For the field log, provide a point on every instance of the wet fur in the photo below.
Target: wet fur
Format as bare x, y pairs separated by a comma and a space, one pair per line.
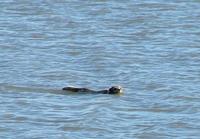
112, 90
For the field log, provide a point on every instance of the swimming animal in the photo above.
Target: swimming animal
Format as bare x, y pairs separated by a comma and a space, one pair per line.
111, 90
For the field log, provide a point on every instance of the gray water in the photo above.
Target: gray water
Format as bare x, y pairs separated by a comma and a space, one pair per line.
150, 47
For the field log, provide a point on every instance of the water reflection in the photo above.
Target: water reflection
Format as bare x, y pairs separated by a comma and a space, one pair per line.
148, 47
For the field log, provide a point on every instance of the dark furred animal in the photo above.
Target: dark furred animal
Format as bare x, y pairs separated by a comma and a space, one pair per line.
112, 90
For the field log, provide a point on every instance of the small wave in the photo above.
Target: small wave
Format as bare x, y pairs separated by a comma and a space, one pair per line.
19, 89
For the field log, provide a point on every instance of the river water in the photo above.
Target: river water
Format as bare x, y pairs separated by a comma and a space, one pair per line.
150, 47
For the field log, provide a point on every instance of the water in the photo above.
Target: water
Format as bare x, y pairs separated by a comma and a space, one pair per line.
149, 47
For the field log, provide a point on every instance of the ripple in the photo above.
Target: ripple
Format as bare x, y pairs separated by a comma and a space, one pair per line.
148, 47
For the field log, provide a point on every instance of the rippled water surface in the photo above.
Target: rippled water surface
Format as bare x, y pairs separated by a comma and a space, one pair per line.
150, 47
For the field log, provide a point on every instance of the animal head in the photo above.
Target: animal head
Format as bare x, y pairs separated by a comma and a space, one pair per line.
115, 90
